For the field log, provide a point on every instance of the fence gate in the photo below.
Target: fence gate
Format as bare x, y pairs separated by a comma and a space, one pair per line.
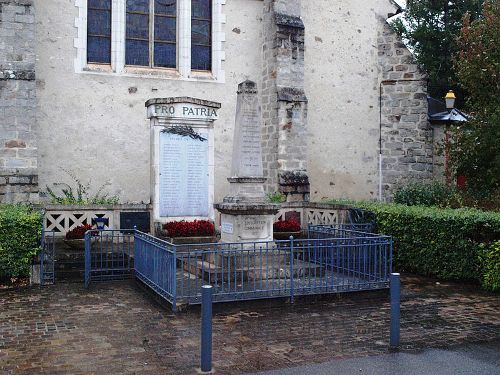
109, 255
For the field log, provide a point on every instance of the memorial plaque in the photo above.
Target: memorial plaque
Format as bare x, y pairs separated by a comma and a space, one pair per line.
254, 226
247, 151
183, 174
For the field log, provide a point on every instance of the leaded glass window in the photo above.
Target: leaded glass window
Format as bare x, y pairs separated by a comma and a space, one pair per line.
144, 19
99, 31
165, 30
137, 33
201, 34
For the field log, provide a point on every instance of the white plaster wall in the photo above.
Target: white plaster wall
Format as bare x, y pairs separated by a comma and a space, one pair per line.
342, 85
91, 125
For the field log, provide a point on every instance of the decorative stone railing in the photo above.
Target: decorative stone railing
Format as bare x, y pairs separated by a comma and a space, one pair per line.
62, 218
314, 213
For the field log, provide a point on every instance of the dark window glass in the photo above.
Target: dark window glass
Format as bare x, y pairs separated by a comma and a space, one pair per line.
99, 31
165, 33
166, 7
201, 34
137, 52
165, 55
138, 6
137, 33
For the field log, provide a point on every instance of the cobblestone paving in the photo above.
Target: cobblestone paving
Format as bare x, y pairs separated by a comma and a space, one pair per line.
115, 328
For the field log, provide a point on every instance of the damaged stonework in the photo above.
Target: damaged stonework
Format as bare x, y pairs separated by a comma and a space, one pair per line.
294, 185
283, 99
406, 135
18, 147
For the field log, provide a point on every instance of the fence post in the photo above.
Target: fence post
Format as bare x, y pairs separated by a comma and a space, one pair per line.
395, 310
291, 270
87, 259
206, 328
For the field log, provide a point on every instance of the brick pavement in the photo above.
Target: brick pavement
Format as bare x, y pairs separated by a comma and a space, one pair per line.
114, 328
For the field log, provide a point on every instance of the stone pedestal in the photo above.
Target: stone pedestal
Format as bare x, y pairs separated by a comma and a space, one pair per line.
247, 221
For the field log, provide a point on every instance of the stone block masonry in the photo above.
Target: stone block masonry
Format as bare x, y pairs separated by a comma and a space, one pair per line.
18, 147
407, 137
284, 101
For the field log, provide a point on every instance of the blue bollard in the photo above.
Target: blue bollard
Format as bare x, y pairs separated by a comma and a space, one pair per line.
395, 310
206, 328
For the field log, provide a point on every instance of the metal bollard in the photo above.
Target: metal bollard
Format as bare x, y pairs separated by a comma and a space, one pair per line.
395, 310
206, 328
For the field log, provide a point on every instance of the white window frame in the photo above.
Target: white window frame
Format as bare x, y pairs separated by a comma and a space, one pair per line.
183, 70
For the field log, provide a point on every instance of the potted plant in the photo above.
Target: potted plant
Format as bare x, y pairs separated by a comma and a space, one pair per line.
75, 238
283, 229
189, 232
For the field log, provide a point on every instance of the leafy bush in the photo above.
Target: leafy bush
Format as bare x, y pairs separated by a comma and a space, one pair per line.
276, 197
442, 195
435, 194
20, 233
80, 194
290, 225
196, 228
490, 260
445, 243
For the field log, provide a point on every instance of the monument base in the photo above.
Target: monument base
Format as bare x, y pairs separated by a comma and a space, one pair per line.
247, 221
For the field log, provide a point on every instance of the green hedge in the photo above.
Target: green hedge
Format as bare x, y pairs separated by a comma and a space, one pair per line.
490, 261
446, 243
20, 232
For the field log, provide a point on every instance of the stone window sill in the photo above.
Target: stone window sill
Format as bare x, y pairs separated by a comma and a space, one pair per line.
144, 72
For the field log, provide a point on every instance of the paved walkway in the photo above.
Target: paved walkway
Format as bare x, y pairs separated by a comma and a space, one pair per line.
479, 359
114, 328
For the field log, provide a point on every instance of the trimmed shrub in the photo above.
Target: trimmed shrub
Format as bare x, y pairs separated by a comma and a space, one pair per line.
435, 194
490, 260
20, 233
446, 243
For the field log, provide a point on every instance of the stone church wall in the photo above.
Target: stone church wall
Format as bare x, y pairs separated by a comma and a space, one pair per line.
407, 137
18, 144
319, 84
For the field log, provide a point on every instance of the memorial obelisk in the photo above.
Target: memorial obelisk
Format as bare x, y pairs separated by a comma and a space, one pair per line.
245, 214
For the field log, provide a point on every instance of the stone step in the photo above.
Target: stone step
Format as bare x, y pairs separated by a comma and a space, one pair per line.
210, 271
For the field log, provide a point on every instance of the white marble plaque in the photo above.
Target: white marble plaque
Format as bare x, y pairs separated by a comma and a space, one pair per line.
227, 228
183, 175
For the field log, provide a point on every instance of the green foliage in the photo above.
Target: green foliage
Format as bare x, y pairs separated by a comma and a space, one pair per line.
80, 195
20, 232
430, 27
276, 197
434, 194
490, 260
475, 150
444, 196
445, 243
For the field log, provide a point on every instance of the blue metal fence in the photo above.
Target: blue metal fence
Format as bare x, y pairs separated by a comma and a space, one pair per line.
333, 259
109, 254
47, 258
155, 265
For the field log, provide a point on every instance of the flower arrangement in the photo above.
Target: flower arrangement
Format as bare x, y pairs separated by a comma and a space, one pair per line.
78, 233
290, 225
196, 228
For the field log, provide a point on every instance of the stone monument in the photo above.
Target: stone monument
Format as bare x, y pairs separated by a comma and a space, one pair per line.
245, 214
182, 155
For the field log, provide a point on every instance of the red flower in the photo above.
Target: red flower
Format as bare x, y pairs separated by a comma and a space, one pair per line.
290, 225
197, 228
78, 232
